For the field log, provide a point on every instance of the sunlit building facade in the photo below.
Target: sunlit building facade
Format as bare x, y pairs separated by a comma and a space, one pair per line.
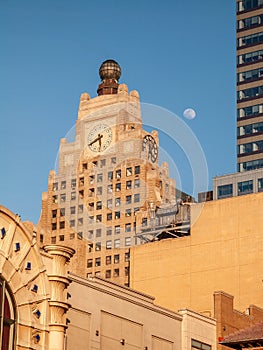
108, 184
249, 84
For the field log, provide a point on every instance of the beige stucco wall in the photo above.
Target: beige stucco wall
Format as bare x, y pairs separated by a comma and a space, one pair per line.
106, 313
197, 327
108, 316
223, 252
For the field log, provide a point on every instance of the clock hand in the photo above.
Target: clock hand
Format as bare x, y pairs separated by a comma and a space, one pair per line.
98, 138
100, 141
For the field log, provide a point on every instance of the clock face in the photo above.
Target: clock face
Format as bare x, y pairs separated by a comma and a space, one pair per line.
99, 138
149, 145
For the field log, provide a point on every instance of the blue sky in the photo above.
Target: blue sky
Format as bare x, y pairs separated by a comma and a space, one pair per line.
177, 54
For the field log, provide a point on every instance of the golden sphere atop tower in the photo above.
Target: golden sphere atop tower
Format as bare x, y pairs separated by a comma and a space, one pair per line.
110, 69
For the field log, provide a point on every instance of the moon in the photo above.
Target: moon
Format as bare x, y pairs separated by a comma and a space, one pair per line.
189, 113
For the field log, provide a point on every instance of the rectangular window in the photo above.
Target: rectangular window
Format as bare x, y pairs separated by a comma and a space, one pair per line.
251, 39
199, 345
117, 229
118, 187
99, 205
225, 191
61, 238
108, 274
128, 212
126, 271
118, 174
249, 57
109, 188
245, 187
54, 214
72, 223
250, 93
80, 221
80, 209
129, 171
109, 231
62, 198
73, 196
251, 165
127, 241
54, 226
71, 235
80, 235
108, 259
102, 163
128, 185
144, 222
117, 214
249, 111
117, 202
98, 246
62, 224
136, 183
90, 234
128, 227
53, 240
54, 199
117, 243
55, 186
260, 185
97, 262
62, 211
128, 199
99, 190
73, 184
98, 232
81, 181
113, 160
108, 244
99, 178
72, 210
137, 169
127, 257
89, 262
116, 273
98, 218
63, 185
116, 258
109, 203
109, 216
136, 198
110, 175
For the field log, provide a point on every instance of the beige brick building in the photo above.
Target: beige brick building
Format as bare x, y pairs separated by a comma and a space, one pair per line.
108, 184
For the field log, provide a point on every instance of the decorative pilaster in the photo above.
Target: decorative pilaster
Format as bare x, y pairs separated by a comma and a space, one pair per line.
58, 305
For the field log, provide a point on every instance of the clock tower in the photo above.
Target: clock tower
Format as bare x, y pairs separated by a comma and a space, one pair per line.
108, 182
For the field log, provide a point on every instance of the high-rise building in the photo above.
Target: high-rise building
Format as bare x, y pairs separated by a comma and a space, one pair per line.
108, 185
249, 84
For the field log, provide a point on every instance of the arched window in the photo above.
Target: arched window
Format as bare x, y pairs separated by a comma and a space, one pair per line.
7, 318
